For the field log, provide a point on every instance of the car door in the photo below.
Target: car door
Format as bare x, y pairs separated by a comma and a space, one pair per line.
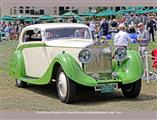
35, 57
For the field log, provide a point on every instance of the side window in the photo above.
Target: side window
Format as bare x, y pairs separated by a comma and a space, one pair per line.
30, 36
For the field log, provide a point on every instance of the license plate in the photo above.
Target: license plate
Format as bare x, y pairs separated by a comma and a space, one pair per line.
107, 88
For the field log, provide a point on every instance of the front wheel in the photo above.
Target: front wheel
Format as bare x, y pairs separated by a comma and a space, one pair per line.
65, 87
20, 83
132, 90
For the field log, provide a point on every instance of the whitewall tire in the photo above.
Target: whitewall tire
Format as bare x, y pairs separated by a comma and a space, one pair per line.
65, 87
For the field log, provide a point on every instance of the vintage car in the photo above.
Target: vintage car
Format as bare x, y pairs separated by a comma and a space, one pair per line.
66, 54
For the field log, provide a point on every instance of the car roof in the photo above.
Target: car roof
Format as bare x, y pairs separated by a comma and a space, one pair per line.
55, 25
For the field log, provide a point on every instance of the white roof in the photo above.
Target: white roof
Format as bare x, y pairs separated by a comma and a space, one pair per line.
54, 25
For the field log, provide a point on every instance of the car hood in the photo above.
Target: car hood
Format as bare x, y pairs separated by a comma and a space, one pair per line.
80, 43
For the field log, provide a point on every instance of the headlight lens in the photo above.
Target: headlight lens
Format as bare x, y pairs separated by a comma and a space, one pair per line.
85, 56
120, 53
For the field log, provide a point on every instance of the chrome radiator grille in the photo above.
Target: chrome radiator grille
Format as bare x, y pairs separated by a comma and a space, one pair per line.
101, 62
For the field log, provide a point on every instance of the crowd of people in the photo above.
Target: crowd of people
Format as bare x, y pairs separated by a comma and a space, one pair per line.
104, 27
11, 30
98, 26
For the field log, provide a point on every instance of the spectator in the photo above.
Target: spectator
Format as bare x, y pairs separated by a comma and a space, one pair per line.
114, 24
20, 27
73, 20
143, 39
151, 27
132, 33
92, 27
104, 27
122, 38
131, 29
3, 25
7, 30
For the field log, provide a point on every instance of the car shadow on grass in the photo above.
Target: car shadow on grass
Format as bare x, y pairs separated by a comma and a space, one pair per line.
48, 90
96, 98
85, 95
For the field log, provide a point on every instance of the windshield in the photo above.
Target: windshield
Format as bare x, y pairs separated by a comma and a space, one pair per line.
70, 33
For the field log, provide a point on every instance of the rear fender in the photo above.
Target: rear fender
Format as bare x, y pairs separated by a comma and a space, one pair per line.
17, 67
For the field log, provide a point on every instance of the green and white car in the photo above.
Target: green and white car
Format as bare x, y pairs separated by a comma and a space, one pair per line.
66, 54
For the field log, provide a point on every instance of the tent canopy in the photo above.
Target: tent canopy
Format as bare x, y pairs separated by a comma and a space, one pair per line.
106, 13
69, 14
7, 18
46, 18
28, 20
87, 13
20, 17
122, 12
153, 10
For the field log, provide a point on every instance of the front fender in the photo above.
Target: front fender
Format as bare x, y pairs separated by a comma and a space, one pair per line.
73, 70
132, 68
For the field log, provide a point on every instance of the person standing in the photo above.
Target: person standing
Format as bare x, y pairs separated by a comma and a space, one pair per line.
143, 39
92, 27
7, 31
114, 24
122, 38
104, 27
151, 27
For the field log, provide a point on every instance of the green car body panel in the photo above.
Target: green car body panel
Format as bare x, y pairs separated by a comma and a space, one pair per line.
129, 71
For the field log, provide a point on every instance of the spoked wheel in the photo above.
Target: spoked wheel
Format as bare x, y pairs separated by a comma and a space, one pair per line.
65, 87
20, 83
132, 90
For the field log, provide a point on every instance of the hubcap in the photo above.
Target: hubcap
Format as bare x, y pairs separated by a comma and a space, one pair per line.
18, 81
62, 84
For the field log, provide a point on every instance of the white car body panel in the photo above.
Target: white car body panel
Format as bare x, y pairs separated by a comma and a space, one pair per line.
36, 61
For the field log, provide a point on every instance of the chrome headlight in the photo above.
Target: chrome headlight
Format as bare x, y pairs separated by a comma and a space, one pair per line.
85, 56
120, 53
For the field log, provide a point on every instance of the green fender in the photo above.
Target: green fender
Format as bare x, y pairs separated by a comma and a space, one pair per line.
74, 71
17, 67
132, 68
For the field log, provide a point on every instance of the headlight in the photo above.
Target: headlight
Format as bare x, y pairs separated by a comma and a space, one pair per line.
120, 53
85, 56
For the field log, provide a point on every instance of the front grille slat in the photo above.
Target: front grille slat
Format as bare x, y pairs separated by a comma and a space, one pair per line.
101, 63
